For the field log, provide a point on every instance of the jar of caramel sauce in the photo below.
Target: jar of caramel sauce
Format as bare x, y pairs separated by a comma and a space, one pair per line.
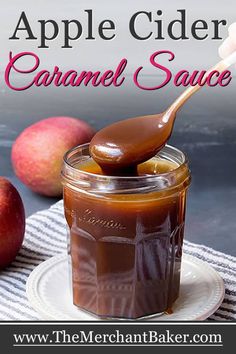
125, 233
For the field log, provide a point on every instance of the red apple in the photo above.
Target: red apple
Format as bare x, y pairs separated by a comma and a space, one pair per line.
38, 151
12, 222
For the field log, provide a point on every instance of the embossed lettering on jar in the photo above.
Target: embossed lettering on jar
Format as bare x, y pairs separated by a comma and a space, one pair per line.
125, 234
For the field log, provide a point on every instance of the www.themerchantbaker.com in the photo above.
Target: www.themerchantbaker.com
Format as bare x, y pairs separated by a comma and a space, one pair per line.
115, 337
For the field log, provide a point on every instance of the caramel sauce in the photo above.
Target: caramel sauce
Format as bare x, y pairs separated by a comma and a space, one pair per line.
151, 167
120, 147
169, 311
126, 248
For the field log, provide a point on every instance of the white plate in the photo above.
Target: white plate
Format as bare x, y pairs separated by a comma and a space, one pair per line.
48, 290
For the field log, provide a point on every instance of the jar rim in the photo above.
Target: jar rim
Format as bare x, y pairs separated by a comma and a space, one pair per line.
86, 173
127, 184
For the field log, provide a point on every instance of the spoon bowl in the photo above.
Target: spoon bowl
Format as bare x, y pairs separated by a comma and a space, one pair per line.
120, 147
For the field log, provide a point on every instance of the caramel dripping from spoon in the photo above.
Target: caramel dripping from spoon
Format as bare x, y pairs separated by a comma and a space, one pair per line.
121, 146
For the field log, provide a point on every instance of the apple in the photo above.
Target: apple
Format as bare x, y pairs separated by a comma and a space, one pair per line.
12, 222
38, 152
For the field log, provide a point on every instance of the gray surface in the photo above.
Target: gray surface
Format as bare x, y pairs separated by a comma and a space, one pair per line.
205, 130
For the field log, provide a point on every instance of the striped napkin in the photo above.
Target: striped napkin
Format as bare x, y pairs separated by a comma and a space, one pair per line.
46, 236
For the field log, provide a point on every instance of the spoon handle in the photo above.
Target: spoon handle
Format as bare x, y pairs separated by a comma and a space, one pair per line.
221, 66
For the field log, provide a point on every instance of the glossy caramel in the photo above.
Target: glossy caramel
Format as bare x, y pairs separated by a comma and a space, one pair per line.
126, 248
120, 147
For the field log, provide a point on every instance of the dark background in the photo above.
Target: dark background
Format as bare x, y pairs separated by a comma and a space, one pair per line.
205, 130
220, 345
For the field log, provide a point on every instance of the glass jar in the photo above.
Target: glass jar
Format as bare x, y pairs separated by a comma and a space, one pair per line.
125, 236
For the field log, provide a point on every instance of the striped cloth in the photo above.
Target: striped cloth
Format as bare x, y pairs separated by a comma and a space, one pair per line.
45, 237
